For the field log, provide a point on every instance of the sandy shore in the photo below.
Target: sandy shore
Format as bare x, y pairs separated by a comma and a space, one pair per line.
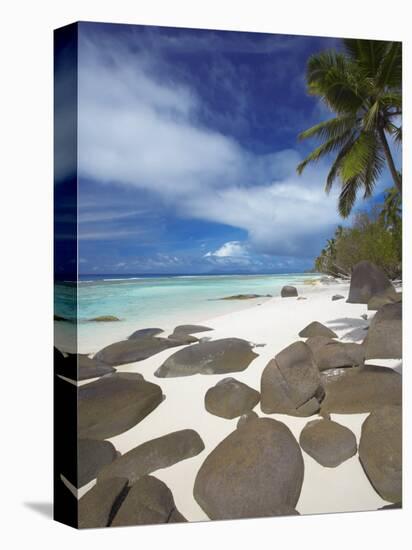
274, 323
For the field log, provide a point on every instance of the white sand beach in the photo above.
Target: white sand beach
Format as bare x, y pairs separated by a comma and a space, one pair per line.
272, 324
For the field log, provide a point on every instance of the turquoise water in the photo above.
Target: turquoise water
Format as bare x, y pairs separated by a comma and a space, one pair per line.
156, 301
148, 299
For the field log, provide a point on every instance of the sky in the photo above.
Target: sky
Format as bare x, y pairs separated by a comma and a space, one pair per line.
187, 152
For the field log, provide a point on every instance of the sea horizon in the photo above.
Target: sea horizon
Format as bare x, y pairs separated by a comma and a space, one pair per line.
85, 277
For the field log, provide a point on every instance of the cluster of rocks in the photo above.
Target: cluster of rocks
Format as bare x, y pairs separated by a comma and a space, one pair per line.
113, 503
258, 469
125, 493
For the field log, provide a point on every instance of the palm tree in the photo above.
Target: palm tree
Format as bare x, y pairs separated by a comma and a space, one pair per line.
363, 86
391, 212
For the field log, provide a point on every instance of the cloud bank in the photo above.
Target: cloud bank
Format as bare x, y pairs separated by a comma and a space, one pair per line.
140, 129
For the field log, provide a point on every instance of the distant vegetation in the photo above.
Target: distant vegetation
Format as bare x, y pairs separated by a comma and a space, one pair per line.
362, 86
374, 236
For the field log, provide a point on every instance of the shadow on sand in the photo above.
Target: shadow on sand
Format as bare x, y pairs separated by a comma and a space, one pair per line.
356, 328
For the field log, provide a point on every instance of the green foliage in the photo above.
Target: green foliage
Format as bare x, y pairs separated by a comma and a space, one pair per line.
375, 236
363, 87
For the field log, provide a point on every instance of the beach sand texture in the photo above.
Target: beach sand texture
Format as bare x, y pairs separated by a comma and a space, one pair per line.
272, 325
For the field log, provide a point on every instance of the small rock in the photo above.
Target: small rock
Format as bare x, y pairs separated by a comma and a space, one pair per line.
337, 297
155, 454
317, 329
105, 318
328, 442
380, 452
288, 291
246, 296
149, 501
190, 329
216, 357
230, 398
364, 316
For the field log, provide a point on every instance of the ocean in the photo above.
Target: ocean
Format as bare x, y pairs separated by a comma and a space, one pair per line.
161, 301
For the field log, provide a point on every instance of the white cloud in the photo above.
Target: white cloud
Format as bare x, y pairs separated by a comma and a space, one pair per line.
137, 131
231, 249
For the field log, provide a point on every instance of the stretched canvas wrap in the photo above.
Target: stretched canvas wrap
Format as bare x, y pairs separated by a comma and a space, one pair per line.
228, 276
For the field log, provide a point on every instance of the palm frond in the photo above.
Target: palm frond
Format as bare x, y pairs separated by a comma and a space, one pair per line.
390, 70
331, 77
371, 116
324, 149
366, 53
329, 129
357, 158
337, 164
347, 196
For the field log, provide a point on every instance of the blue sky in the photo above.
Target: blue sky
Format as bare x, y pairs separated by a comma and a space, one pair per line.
188, 151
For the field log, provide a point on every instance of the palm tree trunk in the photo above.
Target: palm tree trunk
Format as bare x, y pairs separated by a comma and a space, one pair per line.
389, 159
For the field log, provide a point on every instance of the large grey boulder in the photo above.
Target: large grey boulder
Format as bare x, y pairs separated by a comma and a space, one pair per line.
256, 471
360, 389
135, 349
367, 280
92, 455
230, 398
98, 506
152, 455
291, 383
317, 329
328, 442
217, 357
330, 354
114, 404
384, 338
288, 291
148, 502
380, 452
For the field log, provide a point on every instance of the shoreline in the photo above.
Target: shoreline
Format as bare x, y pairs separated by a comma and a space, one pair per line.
276, 324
